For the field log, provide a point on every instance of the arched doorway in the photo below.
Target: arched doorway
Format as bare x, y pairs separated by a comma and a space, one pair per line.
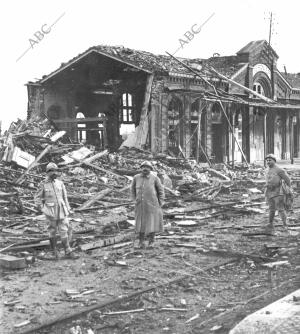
194, 131
81, 128
237, 126
256, 131
217, 131
175, 125
278, 137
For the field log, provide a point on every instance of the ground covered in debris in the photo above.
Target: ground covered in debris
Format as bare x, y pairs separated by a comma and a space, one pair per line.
185, 296
214, 263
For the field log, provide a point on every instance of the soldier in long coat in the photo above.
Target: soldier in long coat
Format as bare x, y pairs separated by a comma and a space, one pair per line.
148, 194
51, 198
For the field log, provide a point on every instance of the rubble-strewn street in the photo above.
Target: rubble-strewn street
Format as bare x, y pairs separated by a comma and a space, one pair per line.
150, 167
214, 263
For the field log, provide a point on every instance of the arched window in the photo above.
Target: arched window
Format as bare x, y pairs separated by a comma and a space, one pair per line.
262, 85
81, 128
216, 114
80, 115
126, 112
257, 87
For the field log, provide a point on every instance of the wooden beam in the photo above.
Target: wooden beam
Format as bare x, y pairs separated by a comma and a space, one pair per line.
58, 135
21, 179
262, 97
96, 156
87, 163
78, 120
142, 129
100, 195
105, 242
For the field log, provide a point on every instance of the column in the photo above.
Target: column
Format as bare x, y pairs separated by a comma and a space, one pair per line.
164, 123
187, 126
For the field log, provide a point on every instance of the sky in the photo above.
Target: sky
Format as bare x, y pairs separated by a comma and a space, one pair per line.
31, 49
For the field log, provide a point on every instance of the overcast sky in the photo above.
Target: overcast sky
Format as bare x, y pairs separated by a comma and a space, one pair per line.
155, 26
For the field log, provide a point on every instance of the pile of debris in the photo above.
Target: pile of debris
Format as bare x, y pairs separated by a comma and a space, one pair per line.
31, 145
98, 184
28, 146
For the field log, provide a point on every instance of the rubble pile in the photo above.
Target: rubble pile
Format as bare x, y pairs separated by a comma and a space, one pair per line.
98, 183
28, 146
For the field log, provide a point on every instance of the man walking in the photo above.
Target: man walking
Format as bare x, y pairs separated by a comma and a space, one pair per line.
52, 200
148, 193
274, 195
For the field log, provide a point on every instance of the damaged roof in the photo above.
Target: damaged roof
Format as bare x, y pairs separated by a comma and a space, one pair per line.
292, 78
143, 60
151, 63
227, 65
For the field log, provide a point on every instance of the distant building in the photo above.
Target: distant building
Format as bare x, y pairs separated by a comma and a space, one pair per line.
103, 94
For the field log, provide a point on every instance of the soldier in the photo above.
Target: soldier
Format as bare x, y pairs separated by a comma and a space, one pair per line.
51, 199
148, 193
274, 194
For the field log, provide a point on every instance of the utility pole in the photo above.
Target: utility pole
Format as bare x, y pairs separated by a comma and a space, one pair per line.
270, 55
270, 29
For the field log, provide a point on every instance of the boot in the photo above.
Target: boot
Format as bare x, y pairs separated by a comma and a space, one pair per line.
151, 239
70, 235
68, 250
142, 241
270, 229
53, 242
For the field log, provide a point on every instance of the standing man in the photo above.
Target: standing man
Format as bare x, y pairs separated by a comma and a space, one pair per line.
148, 193
52, 200
273, 192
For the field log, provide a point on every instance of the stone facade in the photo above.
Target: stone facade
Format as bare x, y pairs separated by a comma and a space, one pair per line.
185, 117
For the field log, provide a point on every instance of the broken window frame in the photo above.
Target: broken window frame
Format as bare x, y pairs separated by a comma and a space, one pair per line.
175, 116
81, 128
127, 109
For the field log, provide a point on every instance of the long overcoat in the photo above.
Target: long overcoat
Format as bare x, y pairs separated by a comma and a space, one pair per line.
53, 200
148, 193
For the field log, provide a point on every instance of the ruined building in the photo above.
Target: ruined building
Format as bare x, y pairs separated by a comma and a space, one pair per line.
105, 93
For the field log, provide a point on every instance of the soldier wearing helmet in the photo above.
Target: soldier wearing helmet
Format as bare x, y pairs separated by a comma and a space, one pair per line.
51, 198
274, 195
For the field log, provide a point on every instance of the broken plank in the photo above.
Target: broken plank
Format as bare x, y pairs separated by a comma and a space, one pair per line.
43, 153
126, 312
98, 196
276, 264
41, 244
21, 179
7, 247
96, 156
89, 164
104, 242
3, 194
12, 262
224, 252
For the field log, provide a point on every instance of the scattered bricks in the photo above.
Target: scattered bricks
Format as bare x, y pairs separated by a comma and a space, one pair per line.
12, 262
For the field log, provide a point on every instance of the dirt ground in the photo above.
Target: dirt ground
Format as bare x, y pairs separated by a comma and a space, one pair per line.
185, 298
